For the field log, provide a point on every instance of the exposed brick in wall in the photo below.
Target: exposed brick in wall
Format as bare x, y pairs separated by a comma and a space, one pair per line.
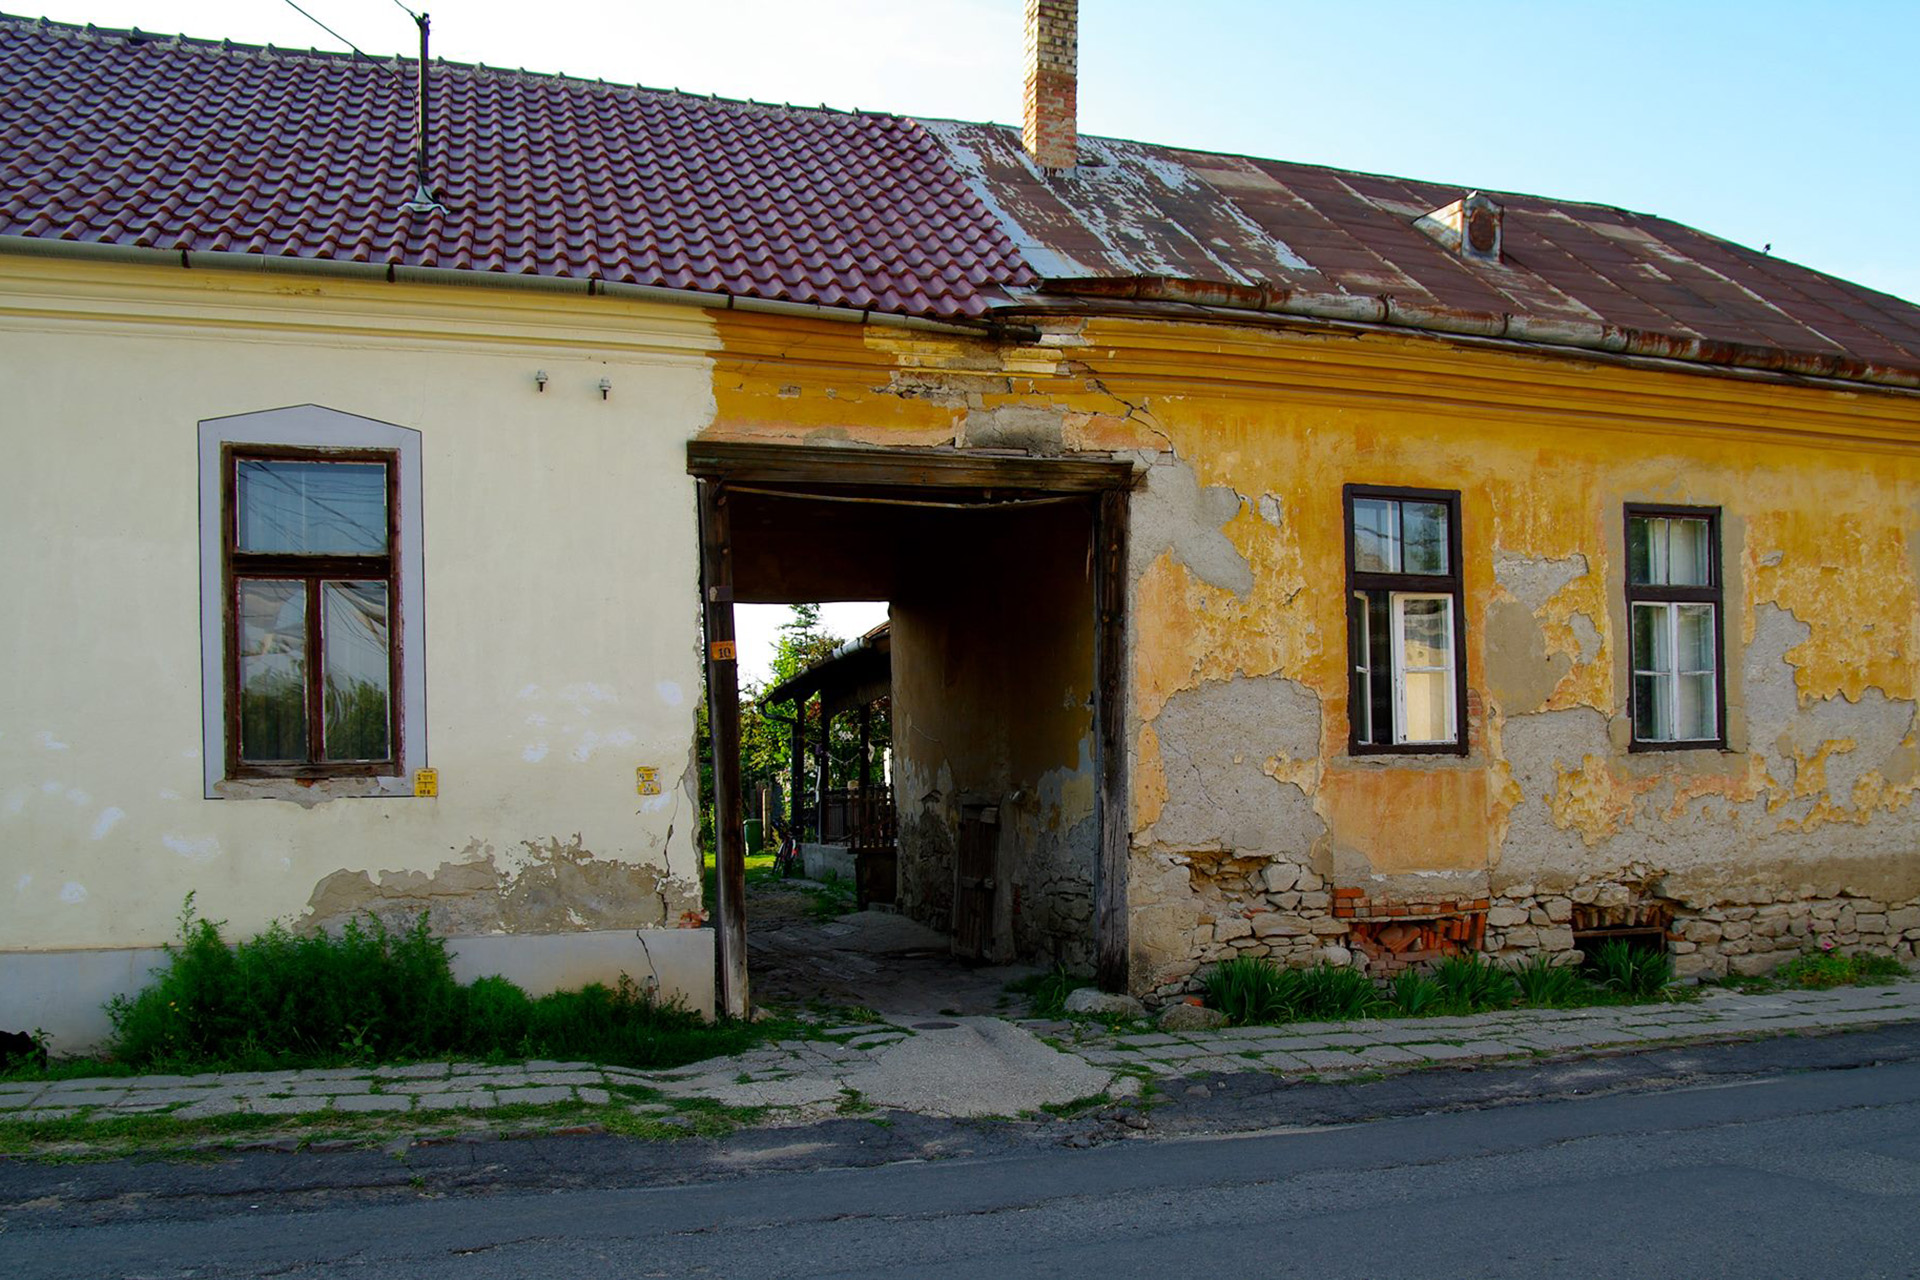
1404, 935
1051, 131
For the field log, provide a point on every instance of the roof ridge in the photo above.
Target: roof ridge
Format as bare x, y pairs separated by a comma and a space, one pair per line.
1340, 170
136, 36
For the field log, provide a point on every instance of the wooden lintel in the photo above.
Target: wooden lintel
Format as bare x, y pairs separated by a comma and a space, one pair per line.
742, 462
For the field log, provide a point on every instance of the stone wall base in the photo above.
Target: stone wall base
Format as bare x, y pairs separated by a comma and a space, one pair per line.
1282, 912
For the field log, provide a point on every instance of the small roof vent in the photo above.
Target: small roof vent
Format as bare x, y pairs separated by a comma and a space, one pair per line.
1470, 226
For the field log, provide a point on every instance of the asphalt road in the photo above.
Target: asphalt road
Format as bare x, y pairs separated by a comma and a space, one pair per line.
1701, 1173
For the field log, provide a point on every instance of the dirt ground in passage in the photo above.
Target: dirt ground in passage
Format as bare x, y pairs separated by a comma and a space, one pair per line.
874, 959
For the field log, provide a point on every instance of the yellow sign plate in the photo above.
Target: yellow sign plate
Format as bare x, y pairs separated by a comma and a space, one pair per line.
426, 782
723, 651
646, 780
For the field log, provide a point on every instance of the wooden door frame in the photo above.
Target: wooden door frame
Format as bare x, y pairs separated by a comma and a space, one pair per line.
718, 465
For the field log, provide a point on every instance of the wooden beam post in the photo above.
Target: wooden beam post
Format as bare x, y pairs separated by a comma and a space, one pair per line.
866, 759
797, 764
1110, 739
723, 723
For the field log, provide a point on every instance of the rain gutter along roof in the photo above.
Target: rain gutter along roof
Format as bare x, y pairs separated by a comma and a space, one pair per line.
1387, 311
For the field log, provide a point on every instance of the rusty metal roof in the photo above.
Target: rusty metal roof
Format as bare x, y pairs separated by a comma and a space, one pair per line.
1153, 223
178, 144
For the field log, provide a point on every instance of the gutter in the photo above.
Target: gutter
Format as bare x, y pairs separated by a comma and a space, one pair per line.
1385, 310
397, 273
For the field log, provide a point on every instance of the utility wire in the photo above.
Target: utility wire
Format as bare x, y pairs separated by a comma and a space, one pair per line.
329, 30
410, 13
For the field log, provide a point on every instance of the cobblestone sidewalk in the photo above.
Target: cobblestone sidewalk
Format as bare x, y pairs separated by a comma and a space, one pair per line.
800, 1078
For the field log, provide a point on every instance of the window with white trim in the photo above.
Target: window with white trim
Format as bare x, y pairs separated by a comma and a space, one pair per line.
1405, 630
311, 604
1673, 608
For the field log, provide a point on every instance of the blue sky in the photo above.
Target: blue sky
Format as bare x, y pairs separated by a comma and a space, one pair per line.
1796, 125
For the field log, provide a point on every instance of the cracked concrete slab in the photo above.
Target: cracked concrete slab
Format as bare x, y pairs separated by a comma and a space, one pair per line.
978, 1067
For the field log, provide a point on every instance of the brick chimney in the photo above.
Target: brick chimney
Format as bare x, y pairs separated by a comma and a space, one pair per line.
1052, 132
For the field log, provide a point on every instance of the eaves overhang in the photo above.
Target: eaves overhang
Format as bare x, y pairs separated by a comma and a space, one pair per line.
1161, 296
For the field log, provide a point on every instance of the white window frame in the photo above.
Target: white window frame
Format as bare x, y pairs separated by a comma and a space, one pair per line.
1376, 714
310, 427
1398, 613
1669, 598
1669, 611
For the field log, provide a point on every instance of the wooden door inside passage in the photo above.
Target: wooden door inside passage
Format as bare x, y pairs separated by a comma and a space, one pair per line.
973, 880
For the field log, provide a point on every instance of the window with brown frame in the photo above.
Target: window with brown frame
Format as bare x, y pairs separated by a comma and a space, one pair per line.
1673, 606
1405, 629
312, 584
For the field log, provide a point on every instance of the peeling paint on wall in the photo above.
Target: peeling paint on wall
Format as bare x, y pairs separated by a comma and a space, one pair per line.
543, 886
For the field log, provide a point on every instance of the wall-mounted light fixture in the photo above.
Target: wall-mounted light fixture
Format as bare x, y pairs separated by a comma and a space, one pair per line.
606, 385
540, 379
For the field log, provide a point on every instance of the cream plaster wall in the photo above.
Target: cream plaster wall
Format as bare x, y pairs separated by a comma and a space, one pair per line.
561, 601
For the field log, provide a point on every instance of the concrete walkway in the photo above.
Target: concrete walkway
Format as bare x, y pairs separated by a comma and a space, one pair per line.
969, 1066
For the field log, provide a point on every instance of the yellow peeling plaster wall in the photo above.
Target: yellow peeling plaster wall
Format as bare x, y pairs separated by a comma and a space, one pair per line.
561, 607
1247, 812
1803, 830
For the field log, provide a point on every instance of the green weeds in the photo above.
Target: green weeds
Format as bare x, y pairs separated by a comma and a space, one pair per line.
1047, 992
1413, 994
369, 994
1829, 969
1546, 985
1469, 982
1637, 973
1253, 991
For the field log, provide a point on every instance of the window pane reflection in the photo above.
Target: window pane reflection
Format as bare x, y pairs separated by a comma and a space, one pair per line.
1376, 536
1651, 710
1424, 531
353, 619
273, 671
312, 508
1650, 638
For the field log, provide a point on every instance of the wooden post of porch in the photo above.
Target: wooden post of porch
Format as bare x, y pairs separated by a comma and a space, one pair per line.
797, 763
1110, 740
723, 722
866, 768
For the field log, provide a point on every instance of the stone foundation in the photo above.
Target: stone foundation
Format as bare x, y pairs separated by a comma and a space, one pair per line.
1248, 906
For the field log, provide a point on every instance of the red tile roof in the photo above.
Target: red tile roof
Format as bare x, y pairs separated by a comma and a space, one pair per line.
171, 143
179, 144
1150, 222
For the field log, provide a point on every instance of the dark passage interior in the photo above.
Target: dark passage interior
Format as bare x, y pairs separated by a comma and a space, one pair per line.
996, 783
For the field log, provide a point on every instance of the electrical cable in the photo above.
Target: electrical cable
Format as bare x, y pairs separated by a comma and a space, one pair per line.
330, 31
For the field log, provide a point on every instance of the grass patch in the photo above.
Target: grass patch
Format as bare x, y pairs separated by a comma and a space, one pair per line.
159, 1135
828, 899
1253, 991
1825, 970
1046, 993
